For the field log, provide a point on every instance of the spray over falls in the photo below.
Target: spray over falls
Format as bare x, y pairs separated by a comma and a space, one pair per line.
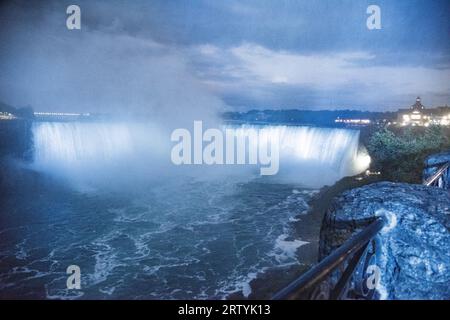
310, 155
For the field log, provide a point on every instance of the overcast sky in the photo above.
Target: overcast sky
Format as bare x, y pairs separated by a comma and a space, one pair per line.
191, 56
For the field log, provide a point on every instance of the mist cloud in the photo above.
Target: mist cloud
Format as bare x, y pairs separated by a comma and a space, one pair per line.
103, 70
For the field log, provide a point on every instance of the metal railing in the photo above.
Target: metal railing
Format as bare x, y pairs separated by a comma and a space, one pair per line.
342, 274
440, 178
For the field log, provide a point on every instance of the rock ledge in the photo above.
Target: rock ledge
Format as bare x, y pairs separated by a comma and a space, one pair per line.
415, 246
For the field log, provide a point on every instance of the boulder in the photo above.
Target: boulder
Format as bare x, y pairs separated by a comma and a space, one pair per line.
414, 257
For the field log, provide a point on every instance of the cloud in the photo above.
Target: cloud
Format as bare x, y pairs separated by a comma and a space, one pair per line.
104, 70
165, 59
254, 68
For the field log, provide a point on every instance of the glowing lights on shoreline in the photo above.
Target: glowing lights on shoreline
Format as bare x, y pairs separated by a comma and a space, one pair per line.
61, 114
7, 116
353, 121
425, 121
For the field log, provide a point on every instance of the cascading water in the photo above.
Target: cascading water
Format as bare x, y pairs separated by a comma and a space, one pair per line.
71, 144
95, 153
309, 155
176, 237
314, 156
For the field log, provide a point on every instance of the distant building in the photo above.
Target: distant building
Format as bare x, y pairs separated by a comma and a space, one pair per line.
418, 115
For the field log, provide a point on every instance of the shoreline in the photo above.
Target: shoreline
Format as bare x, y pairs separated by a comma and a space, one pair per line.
306, 228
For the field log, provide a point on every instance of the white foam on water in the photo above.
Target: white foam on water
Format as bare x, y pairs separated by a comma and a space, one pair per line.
286, 249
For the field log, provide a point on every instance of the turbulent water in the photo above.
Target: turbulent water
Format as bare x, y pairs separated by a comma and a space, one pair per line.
106, 199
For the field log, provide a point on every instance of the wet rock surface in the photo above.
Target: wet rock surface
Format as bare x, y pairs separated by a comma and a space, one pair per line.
415, 244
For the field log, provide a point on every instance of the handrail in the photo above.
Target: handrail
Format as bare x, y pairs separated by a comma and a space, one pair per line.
436, 175
356, 244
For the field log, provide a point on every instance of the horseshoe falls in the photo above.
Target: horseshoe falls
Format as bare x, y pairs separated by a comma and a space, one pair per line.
110, 201
308, 155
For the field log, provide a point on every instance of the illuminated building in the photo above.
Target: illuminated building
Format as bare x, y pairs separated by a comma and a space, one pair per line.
416, 115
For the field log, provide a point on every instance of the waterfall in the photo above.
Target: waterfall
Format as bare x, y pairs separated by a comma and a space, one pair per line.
313, 155
97, 153
68, 143
310, 155
325, 146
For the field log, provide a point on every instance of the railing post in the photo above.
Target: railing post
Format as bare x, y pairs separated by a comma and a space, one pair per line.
353, 249
440, 177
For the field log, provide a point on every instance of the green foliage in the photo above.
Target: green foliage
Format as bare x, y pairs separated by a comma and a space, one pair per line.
399, 153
